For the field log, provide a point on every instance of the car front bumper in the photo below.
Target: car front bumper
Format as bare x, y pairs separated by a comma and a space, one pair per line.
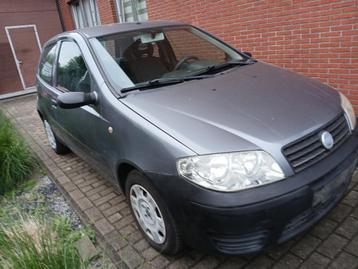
251, 220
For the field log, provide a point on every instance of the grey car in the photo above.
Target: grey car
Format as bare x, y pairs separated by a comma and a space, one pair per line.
214, 150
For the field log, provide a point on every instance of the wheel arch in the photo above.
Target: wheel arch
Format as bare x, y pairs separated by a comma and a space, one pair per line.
123, 169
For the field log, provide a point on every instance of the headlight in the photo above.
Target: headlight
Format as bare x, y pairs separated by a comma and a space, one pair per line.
348, 109
231, 171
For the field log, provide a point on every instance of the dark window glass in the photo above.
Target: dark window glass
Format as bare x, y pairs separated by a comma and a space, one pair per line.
72, 73
47, 63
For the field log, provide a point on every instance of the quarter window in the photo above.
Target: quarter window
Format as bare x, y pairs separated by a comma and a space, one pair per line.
72, 73
47, 63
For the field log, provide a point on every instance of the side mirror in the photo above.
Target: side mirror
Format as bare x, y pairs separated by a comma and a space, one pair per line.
76, 99
247, 53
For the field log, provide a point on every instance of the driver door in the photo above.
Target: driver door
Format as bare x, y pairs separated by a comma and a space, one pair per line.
82, 129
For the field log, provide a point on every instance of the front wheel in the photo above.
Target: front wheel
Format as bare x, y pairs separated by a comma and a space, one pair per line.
55, 144
152, 215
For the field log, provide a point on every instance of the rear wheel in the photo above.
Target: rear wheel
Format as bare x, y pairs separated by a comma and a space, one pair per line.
55, 144
152, 215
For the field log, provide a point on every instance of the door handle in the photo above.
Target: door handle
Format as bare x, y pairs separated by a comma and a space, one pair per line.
54, 104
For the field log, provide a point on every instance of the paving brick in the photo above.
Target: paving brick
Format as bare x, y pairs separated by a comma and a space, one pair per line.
316, 261
118, 199
232, 263
305, 246
93, 214
160, 262
207, 262
111, 210
134, 237
76, 194
69, 186
324, 228
104, 199
186, 261
150, 253
104, 206
116, 240
340, 212
128, 230
114, 218
352, 247
124, 222
146, 265
104, 226
354, 213
97, 189
278, 251
344, 261
332, 245
348, 228
351, 199
141, 245
130, 257
125, 211
84, 203
288, 261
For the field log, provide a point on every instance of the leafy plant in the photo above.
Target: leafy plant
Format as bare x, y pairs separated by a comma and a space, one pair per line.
39, 244
16, 160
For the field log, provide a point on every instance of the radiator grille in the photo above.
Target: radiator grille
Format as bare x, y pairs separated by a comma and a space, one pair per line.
308, 150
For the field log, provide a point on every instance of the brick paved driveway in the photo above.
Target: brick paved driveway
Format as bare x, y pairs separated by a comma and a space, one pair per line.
332, 243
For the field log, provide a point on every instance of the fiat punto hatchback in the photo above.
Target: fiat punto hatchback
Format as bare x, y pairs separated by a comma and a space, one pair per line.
213, 149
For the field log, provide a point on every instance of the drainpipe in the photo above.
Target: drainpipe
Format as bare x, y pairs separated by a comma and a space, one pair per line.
60, 15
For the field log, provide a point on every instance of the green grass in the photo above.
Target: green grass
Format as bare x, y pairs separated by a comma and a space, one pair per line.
34, 243
16, 160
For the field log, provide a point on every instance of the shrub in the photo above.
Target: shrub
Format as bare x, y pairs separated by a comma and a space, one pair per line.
38, 244
16, 161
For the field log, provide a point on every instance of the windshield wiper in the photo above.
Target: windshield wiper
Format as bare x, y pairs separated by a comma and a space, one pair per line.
227, 64
161, 82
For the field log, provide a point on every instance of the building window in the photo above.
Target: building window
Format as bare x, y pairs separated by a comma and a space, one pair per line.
85, 13
131, 10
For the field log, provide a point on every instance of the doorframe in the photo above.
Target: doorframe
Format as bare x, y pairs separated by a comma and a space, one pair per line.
17, 62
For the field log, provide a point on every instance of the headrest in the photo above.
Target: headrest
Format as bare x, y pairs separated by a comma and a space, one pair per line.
142, 50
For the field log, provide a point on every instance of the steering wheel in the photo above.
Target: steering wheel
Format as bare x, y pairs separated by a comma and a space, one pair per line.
184, 60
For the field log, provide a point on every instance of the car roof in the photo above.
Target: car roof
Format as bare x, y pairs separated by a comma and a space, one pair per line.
116, 28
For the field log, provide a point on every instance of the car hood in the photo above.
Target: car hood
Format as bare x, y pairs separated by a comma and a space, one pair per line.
258, 106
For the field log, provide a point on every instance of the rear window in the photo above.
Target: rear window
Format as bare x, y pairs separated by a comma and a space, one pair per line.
47, 63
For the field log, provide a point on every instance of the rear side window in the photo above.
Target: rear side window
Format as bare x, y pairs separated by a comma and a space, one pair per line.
47, 63
72, 73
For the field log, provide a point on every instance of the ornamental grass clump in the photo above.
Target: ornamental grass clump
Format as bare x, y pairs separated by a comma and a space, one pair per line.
16, 160
37, 244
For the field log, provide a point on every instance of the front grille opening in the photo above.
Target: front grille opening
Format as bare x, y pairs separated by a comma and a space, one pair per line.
308, 150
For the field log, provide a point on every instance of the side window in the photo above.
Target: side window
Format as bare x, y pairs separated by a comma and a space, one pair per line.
47, 63
72, 73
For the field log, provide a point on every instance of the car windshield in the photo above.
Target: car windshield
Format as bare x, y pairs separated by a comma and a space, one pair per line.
134, 58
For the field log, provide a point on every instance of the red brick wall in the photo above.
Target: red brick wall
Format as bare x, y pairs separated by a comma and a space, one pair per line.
107, 11
318, 38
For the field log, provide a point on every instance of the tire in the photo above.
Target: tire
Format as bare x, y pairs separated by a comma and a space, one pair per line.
149, 220
53, 141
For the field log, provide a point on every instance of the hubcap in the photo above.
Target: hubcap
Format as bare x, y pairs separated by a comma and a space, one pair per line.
148, 214
50, 136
